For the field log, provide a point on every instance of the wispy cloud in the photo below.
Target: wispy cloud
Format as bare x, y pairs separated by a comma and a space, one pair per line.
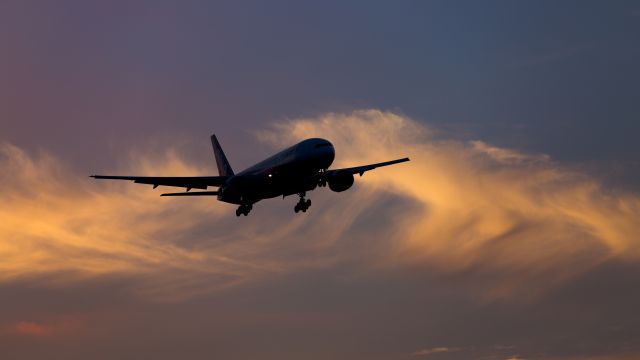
435, 350
519, 220
523, 220
60, 325
515, 357
60, 227
507, 156
555, 55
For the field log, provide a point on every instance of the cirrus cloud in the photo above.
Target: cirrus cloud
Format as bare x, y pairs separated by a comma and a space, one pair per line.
519, 221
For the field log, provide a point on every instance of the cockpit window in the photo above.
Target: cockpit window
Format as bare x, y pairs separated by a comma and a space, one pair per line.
322, 145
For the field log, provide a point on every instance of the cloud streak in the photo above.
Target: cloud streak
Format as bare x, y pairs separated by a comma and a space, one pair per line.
435, 350
517, 217
59, 227
509, 218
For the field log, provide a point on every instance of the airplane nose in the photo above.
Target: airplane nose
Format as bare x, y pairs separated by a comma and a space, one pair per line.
318, 153
327, 157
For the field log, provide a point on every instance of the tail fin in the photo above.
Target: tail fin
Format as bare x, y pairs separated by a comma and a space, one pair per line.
224, 169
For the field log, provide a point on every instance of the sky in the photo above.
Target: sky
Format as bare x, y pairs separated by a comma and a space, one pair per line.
513, 233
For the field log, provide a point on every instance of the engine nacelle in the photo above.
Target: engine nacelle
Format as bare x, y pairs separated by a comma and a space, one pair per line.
340, 181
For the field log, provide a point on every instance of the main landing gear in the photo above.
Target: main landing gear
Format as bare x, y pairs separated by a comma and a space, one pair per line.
303, 204
244, 209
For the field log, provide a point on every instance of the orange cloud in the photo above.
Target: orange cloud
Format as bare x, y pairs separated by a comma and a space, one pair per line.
435, 350
520, 220
612, 356
481, 207
65, 227
59, 325
30, 328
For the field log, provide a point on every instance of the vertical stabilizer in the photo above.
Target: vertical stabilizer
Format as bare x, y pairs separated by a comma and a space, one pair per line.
224, 169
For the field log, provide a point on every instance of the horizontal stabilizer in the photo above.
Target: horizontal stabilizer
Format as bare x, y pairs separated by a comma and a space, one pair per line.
195, 193
190, 182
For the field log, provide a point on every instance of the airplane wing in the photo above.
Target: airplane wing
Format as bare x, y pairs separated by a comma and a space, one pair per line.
193, 193
362, 169
189, 182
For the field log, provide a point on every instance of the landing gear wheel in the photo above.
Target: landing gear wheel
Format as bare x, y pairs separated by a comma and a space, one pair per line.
244, 209
302, 205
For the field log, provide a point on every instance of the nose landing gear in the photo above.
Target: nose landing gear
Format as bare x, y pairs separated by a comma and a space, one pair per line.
302, 205
244, 209
322, 180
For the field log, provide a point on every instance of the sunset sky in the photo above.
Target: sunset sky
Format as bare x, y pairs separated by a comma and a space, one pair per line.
513, 233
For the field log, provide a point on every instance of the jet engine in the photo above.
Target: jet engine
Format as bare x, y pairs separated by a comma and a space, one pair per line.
340, 181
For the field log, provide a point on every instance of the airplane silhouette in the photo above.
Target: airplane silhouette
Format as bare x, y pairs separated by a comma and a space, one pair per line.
294, 170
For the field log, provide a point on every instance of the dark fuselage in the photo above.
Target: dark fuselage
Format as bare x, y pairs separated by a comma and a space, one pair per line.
291, 171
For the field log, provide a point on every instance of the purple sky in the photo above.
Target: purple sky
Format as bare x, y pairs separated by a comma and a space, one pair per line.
513, 233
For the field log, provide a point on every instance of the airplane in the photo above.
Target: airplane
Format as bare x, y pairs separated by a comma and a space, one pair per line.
294, 170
